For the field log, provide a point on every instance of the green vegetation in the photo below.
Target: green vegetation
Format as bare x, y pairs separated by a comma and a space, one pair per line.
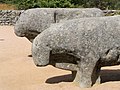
102, 4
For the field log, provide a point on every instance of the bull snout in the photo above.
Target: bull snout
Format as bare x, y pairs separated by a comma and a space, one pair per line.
40, 65
18, 33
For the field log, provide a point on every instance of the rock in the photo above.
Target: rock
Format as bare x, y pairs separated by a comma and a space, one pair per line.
9, 15
93, 41
74, 13
34, 21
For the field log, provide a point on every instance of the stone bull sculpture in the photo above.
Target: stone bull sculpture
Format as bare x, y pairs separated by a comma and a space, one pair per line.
95, 42
33, 21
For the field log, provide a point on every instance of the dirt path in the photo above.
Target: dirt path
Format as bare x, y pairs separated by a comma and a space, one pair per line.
18, 72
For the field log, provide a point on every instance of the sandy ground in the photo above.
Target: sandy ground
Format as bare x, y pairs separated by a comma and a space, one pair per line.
18, 72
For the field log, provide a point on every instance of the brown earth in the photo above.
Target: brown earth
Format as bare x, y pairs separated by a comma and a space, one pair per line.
7, 7
18, 72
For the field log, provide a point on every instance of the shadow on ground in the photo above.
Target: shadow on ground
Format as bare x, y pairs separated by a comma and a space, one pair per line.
110, 75
106, 76
58, 79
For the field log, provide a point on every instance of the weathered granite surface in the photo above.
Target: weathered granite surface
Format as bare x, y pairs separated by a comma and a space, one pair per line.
93, 41
34, 21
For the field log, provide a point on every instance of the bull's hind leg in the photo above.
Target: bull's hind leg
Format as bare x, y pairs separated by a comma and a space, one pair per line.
88, 73
40, 55
74, 74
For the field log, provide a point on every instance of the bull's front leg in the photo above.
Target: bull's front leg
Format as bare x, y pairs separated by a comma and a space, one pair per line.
87, 73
